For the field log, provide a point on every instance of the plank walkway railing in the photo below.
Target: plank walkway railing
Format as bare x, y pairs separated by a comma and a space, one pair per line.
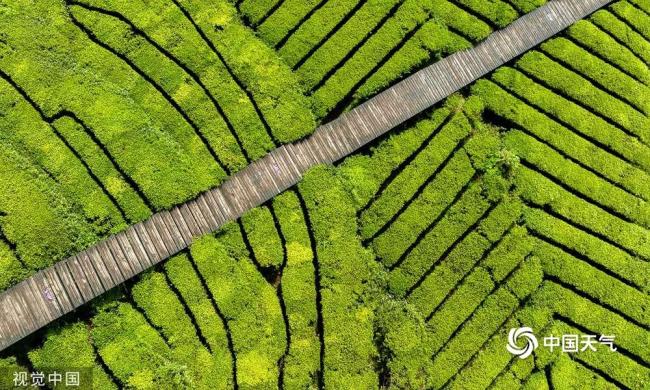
55, 291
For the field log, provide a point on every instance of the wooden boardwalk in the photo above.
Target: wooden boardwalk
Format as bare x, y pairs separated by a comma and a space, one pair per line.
55, 291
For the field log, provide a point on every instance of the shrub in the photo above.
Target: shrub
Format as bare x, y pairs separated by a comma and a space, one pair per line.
24, 130
593, 68
571, 175
130, 200
448, 271
299, 292
594, 317
600, 42
338, 48
597, 284
188, 284
254, 10
249, 304
459, 305
69, 347
476, 331
539, 65
320, 26
350, 280
460, 217
263, 237
127, 115
404, 186
526, 6
498, 12
512, 249
432, 42
136, 354
404, 339
589, 142
426, 207
276, 90
180, 85
616, 260
365, 174
540, 191
55, 228
284, 19
167, 313
633, 16
633, 40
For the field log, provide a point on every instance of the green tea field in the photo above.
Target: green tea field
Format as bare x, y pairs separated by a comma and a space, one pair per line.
522, 200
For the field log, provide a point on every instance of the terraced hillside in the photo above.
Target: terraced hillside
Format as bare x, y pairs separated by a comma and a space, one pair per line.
344, 51
522, 201
142, 105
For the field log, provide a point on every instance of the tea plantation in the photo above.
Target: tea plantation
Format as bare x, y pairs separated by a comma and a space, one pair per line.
520, 201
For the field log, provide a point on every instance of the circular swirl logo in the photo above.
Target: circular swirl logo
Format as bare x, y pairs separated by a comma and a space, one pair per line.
531, 342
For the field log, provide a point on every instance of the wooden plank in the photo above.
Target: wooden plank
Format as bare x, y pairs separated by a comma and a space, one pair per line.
108, 281
43, 299
143, 236
156, 240
79, 275
15, 315
214, 218
117, 274
92, 271
201, 220
183, 229
35, 306
128, 269
174, 230
224, 207
186, 215
122, 241
9, 330
166, 235
64, 286
138, 247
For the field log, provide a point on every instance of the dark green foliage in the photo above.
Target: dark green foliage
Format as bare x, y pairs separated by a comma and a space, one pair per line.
248, 303
402, 267
498, 12
70, 347
579, 88
298, 281
617, 28
349, 283
587, 33
263, 237
593, 68
182, 275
